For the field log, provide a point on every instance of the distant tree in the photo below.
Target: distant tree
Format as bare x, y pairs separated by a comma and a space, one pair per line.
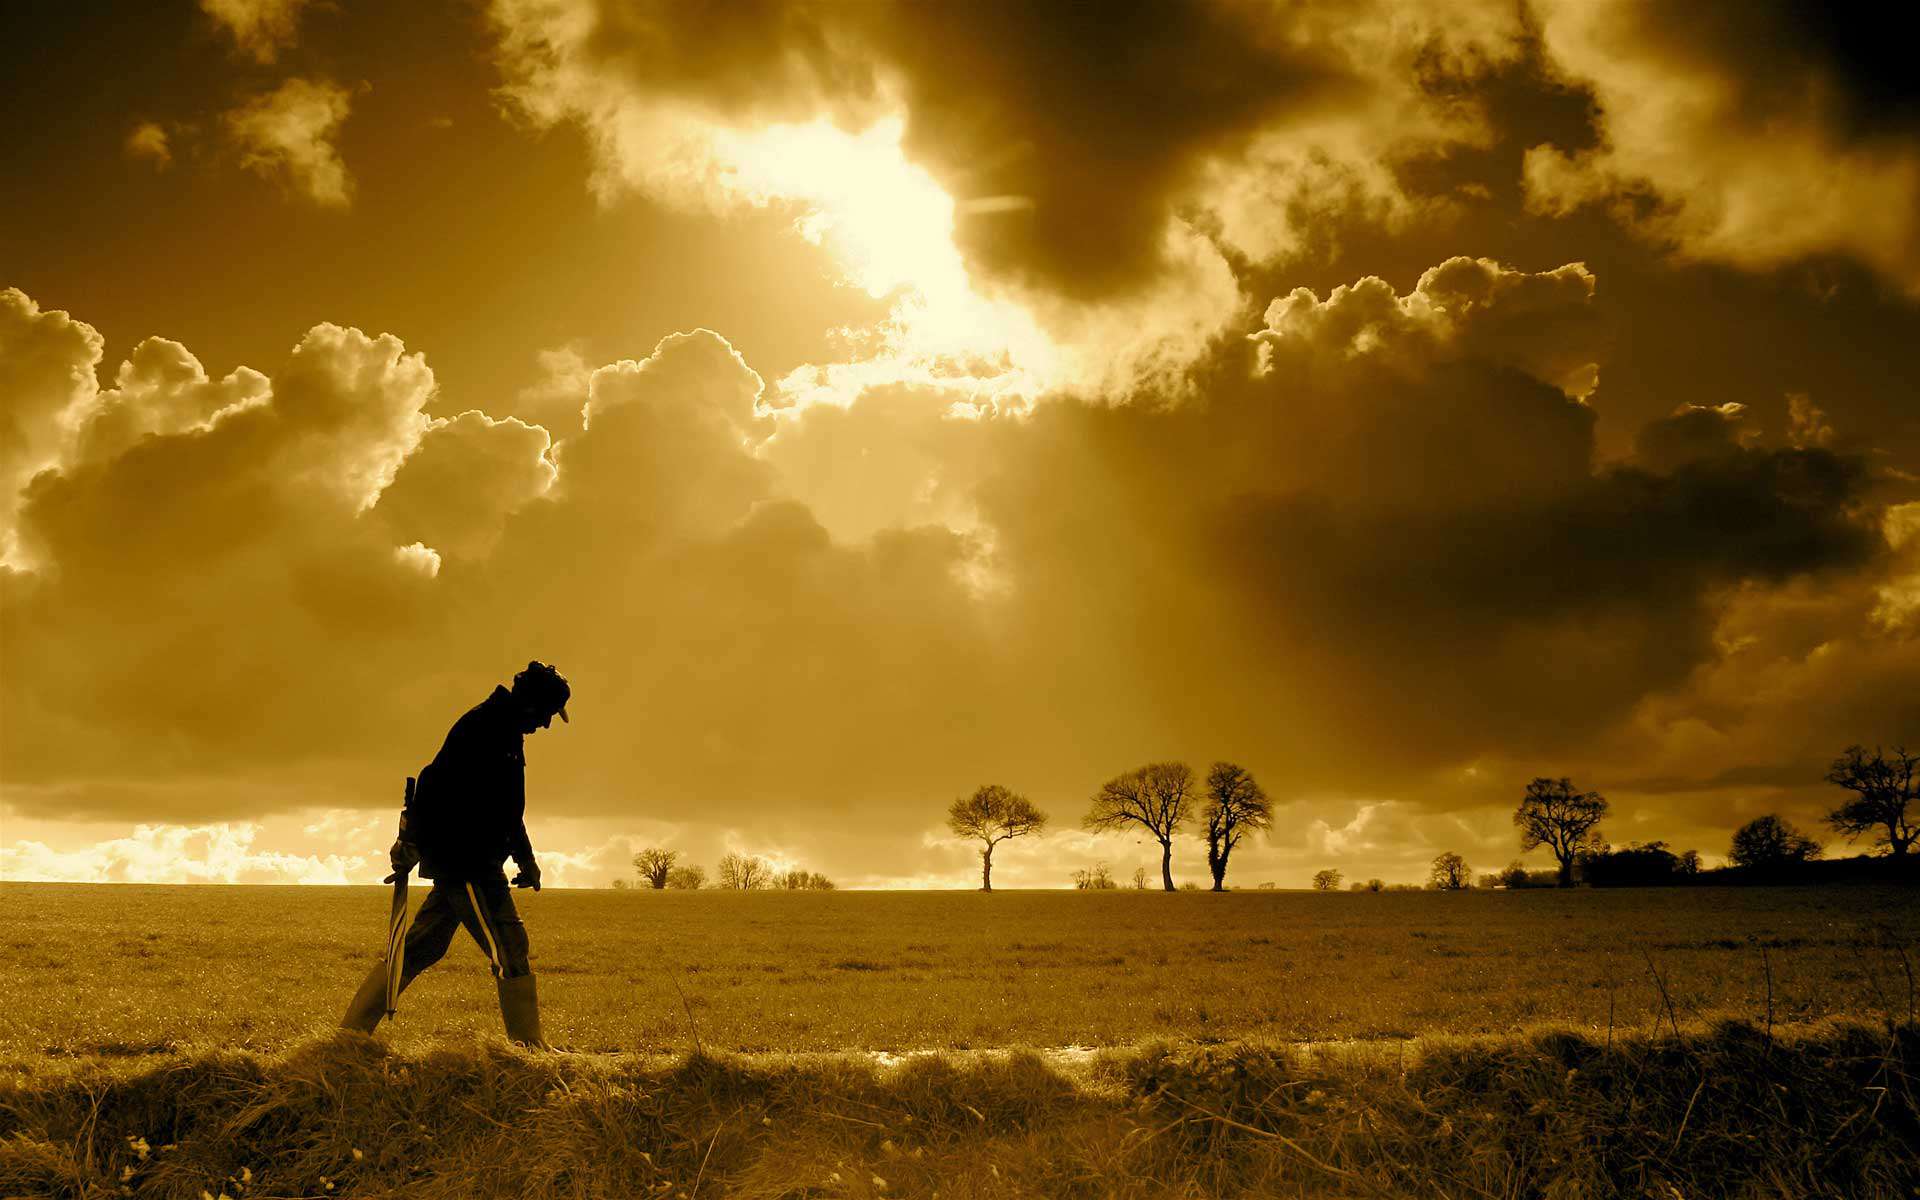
1358, 885
1450, 873
1376, 885
1158, 797
1327, 880
1885, 790
1690, 862
690, 878
744, 872
1488, 880
1638, 864
1514, 875
1094, 879
1139, 879
1554, 815
655, 864
1235, 805
1770, 842
801, 880
1266, 885
622, 885
992, 815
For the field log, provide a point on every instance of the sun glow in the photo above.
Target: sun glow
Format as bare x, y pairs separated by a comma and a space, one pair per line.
890, 226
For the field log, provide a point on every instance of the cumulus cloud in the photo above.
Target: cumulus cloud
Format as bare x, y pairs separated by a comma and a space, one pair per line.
260, 28
240, 493
47, 383
288, 135
1377, 534
161, 853
466, 475
1753, 134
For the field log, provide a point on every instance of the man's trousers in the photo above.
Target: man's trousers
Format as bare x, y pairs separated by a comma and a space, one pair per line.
486, 909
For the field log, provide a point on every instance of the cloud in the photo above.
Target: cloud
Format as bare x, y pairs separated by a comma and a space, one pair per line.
47, 362
288, 134
260, 28
967, 160
1691, 433
149, 140
1756, 135
239, 492
466, 475
161, 853
1376, 533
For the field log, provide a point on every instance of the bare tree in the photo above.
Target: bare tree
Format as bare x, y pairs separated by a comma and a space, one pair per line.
1096, 878
1158, 796
1235, 804
1554, 815
993, 814
801, 880
1327, 880
655, 864
744, 872
1770, 842
1139, 879
1884, 791
690, 878
1450, 873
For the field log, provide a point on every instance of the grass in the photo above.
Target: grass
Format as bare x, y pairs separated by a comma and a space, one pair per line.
175, 1041
127, 971
1822, 1111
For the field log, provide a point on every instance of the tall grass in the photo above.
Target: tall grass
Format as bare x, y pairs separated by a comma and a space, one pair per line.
1825, 1110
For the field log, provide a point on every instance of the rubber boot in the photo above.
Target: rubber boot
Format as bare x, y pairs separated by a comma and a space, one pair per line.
369, 1004
520, 1009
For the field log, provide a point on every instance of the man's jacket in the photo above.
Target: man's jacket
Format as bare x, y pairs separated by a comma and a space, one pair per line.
469, 809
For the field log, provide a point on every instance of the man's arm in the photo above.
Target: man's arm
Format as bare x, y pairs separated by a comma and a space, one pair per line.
403, 855
519, 845
522, 851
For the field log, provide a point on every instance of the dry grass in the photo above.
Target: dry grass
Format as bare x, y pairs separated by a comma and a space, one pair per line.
132, 971
1827, 1111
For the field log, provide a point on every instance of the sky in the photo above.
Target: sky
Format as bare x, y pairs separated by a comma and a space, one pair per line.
864, 403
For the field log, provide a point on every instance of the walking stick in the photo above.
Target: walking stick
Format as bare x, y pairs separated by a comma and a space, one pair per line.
397, 921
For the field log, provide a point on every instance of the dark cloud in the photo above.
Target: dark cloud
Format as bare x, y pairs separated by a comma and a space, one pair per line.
1097, 116
1842, 63
1756, 134
1070, 136
1396, 537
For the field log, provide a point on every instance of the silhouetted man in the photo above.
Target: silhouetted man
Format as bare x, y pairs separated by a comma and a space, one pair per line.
466, 816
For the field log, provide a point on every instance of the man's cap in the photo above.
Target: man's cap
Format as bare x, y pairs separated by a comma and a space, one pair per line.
543, 687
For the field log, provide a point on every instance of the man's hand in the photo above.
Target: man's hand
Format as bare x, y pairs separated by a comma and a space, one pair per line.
529, 875
402, 857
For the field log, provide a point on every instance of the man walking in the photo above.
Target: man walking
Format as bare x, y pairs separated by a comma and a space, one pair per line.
466, 816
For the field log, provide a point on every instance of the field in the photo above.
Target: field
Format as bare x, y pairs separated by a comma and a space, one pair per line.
131, 970
1738, 1042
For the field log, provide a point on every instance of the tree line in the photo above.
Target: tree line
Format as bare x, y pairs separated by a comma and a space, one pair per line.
660, 869
1164, 799
1882, 789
